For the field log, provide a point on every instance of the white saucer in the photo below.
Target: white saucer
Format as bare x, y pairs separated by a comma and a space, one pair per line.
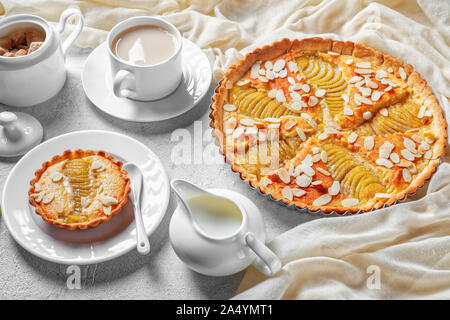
97, 84
110, 239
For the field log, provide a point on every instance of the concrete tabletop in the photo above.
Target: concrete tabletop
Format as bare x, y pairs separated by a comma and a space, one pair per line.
159, 275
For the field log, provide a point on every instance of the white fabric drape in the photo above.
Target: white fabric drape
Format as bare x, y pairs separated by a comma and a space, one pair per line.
406, 246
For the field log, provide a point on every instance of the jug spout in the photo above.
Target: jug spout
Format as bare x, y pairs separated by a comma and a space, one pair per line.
185, 190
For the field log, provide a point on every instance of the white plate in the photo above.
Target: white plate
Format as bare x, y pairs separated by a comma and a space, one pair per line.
97, 84
110, 239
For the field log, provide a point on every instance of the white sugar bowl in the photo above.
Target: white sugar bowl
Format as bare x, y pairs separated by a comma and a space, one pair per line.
36, 77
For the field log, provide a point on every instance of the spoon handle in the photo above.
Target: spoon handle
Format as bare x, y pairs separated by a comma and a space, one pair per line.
143, 245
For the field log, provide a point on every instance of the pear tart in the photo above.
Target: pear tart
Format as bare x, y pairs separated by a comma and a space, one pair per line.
328, 125
79, 189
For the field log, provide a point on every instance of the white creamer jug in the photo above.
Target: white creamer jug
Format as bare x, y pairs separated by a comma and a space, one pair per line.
219, 232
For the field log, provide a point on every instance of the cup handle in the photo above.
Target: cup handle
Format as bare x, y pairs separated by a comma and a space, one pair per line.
268, 263
117, 84
76, 32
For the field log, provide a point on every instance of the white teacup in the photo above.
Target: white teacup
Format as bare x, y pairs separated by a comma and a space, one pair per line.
150, 82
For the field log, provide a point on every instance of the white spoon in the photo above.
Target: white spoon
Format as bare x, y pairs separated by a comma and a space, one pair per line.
135, 174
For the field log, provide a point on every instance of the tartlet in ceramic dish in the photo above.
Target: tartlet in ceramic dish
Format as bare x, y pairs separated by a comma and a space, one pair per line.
328, 125
79, 189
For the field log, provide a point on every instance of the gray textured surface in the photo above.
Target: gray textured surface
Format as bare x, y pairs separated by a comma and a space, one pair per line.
160, 275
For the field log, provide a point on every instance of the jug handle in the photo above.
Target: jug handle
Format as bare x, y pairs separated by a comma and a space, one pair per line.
76, 32
271, 264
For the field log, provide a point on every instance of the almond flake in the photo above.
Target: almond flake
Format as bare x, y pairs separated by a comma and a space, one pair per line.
107, 200
349, 61
306, 88
323, 171
243, 82
283, 73
402, 73
247, 122
409, 144
48, 198
390, 70
345, 97
272, 93
280, 96
382, 195
37, 187
301, 134
238, 132
316, 183
307, 161
303, 181
322, 200
275, 120
371, 84
388, 88
380, 74
364, 71
376, 95
263, 79
384, 112
348, 111
355, 79
287, 193
38, 196
284, 175
428, 154
291, 80
406, 175
292, 67
56, 176
384, 162
350, 202
335, 188
107, 210
422, 111
229, 107
85, 201
334, 53
268, 65
331, 130
262, 72
308, 171
363, 65
315, 150
369, 143
367, 115
365, 91
394, 157
266, 181
298, 192
273, 125
312, 101
295, 96
251, 130
322, 136
365, 100
417, 138
278, 65
407, 155
324, 156
352, 137
316, 158
320, 93
290, 124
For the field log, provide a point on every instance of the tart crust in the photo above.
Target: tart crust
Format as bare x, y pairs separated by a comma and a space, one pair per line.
316, 45
99, 217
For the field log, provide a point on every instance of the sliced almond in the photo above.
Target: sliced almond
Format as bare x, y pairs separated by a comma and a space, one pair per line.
409, 144
335, 188
301, 134
384, 112
350, 202
355, 79
315, 150
284, 175
38, 196
287, 193
384, 162
107, 200
322, 200
376, 95
348, 111
364, 65
48, 198
352, 137
324, 156
56, 176
303, 180
407, 155
394, 157
406, 175
322, 136
229, 107
266, 181
363, 71
298, 192
278, 65
367, 115
107, 210
320, 93
313, 101
402, 73
323, 171
306, 88
37, 187
316, 183
428, 155
369, 143
422, 111
292, 67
